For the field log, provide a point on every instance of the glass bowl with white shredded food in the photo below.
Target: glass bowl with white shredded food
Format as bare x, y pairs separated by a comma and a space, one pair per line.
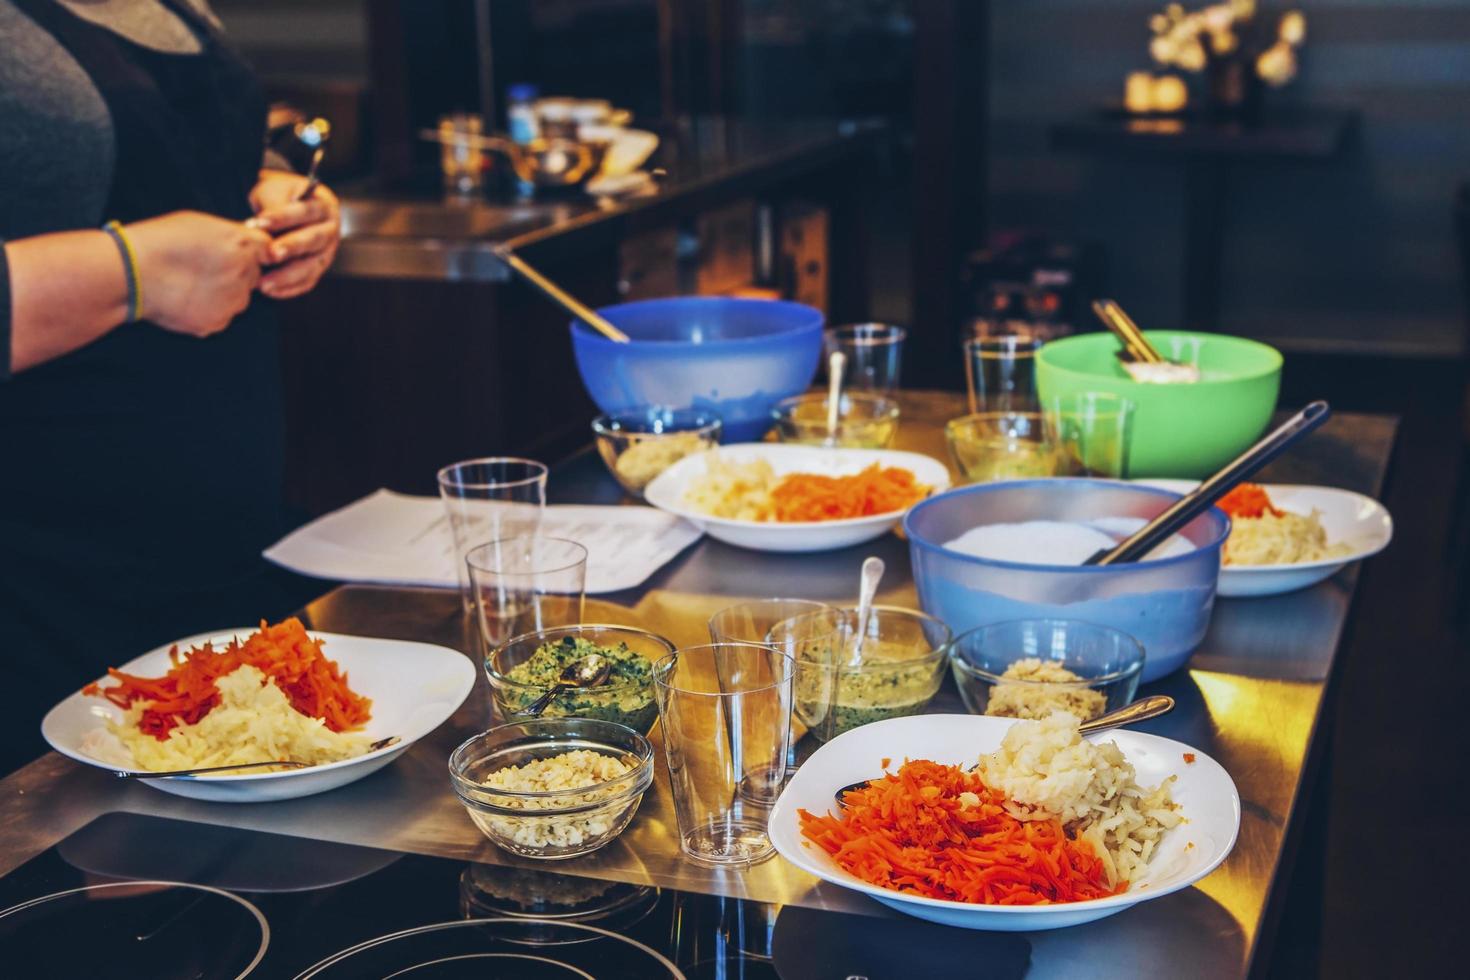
1028, 668
552, 788
639, 445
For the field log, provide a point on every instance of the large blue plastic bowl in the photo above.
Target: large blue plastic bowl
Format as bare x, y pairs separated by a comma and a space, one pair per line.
733, 357
1163, 604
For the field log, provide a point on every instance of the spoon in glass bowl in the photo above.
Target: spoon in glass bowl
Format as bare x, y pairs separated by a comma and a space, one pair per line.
591, 671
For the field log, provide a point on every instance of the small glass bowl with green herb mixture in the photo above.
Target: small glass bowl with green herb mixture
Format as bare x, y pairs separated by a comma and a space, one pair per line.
525, 667
896, 670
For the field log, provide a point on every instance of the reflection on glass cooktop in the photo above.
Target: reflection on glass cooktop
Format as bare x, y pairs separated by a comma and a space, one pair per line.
135, 896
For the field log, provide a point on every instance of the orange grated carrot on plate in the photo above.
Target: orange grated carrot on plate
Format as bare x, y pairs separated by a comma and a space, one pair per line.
875, 490
940, 832
1248, 500
285, 652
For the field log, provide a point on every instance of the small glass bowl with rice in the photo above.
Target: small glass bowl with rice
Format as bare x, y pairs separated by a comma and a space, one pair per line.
1028, 668
525, 667
553, 788
639, 445
841, 685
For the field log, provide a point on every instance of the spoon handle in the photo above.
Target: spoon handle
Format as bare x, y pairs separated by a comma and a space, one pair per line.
1141, 710
544, 701
313, 178
558, 296
381, 743
1203, 497
836, 364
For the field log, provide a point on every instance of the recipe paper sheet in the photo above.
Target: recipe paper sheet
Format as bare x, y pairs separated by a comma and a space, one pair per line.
391, 538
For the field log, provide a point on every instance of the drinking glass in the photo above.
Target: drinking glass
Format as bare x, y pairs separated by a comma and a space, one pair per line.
816, 641
991, 446
488, 499
1000, 373
724, 712
1094, 431
752, 622
874, 355
526, 584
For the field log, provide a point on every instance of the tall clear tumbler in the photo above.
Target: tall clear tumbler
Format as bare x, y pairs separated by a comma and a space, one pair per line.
1000, 373
487, 500
525, 585
874, 353
725, 715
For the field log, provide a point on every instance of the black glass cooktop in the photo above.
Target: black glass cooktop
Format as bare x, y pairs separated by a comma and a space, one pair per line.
134, 896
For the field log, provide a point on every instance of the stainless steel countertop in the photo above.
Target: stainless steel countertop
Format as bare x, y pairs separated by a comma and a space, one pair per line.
1251, 698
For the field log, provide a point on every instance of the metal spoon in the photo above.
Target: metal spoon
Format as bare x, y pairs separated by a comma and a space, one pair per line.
381, 743
1203, 497
591, 671
872, 574
835, 366
558, 295
1130, 714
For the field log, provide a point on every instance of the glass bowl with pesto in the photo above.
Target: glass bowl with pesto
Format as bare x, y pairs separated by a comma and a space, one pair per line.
990, 446
863, 421
1028, 668
841, 684
639, 445
526, 667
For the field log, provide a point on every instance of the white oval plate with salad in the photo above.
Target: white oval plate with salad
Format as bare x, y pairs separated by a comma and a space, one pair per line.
1204, 791
668, 489
414, 687
1352, 519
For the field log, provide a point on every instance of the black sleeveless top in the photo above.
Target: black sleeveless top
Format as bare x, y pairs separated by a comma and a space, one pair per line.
140, 476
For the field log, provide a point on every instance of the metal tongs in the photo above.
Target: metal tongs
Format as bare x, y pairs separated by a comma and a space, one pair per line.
1203, 497
1138, 354
1135, 344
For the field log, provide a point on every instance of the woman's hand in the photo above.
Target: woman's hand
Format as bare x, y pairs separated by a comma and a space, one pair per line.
307, 232
196, 271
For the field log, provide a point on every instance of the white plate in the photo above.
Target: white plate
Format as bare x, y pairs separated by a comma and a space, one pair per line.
1204, 791
415, 687
1360, 522
666, 492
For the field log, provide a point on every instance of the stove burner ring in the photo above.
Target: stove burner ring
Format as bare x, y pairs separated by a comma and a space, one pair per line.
265, 929
581, 974
336, 958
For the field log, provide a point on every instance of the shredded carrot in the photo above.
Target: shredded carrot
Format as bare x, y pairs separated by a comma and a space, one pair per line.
1189, 758
1248, 500
940, 832
314, 685
876, 490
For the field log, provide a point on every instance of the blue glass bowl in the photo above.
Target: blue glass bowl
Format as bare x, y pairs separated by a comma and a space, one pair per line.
1164, 604
735, 358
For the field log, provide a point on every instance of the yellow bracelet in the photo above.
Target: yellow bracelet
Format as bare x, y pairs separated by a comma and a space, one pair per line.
115, 231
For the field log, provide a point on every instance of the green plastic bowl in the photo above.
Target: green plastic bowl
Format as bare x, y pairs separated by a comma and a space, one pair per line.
1179, 430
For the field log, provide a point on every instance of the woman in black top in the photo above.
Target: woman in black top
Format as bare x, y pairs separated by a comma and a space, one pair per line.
140, 404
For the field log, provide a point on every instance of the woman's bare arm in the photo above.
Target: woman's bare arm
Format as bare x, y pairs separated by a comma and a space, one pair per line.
66, 290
